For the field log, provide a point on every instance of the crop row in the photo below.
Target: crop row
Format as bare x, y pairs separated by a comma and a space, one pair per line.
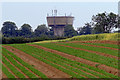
5, 70
71, 66
59, 60
83, 54
104, 44
12, 68
28, 50
103, 50
22, 68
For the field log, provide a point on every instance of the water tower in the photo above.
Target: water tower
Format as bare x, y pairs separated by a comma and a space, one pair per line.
58, 23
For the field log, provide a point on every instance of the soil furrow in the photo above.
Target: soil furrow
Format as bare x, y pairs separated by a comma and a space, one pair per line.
103, 67
25, 67
46, 69
3, 75
16, 67
70, 66
9, 70
61, 65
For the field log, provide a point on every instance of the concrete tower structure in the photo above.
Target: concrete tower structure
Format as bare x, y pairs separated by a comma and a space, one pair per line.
59, 22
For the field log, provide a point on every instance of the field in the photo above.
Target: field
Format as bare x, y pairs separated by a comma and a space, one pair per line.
61, 59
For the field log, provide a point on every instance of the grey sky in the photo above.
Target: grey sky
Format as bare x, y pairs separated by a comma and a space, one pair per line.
34, 13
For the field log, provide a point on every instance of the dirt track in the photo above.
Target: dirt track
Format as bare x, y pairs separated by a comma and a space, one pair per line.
104, 67
46, 69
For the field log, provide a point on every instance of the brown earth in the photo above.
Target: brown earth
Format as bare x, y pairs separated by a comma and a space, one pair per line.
104, 67
9, 70
99, 53
98, 41
16, 67
103, 54
64, 67
25, 67
46, 69
3, 75
81, 70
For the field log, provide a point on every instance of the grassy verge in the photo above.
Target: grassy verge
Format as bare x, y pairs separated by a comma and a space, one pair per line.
105, 36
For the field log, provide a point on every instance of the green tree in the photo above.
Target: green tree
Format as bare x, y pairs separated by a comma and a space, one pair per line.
9, 29
41, 30
69, 31
26, 30
85, 29
104, 22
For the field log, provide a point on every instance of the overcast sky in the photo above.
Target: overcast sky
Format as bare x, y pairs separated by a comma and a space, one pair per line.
34, 13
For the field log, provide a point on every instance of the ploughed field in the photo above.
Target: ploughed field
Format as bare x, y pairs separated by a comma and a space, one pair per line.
73, 59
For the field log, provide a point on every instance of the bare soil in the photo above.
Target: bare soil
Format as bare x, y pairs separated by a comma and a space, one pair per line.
16, 67
46, 69
2, 75
10, 70
65, 67
103, 67
25, 67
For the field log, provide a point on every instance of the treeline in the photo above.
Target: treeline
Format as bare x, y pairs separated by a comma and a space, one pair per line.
101, 23
25, 34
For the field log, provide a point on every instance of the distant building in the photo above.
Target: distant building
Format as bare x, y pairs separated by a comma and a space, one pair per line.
59, 22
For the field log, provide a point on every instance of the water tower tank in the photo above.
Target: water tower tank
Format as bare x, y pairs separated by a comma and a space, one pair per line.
58, 23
